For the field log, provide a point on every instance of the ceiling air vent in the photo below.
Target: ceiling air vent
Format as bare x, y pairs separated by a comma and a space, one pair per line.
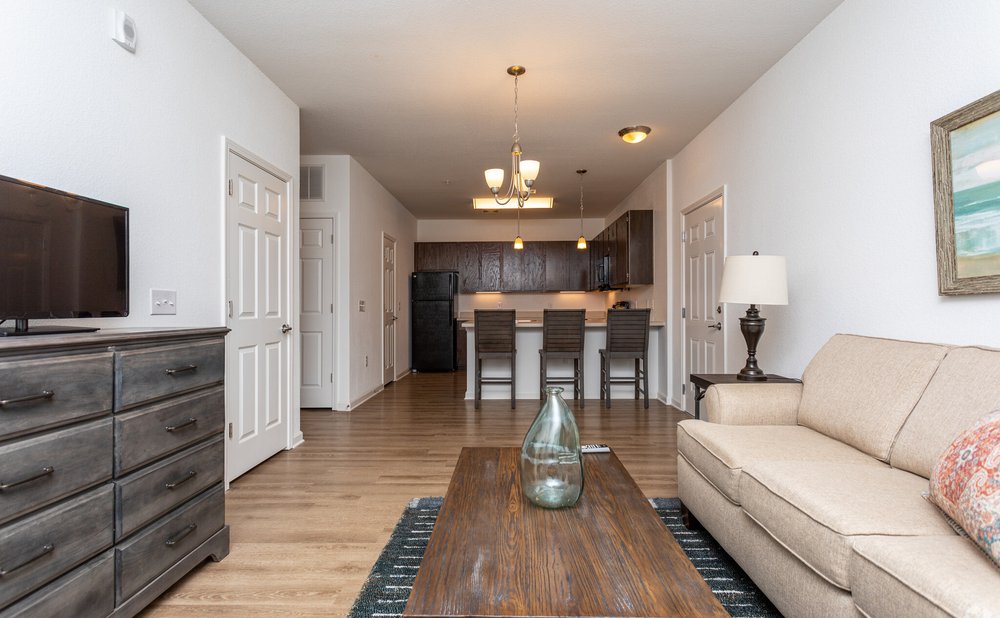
311, 179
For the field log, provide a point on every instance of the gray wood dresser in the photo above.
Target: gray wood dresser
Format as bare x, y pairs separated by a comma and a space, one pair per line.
111, 467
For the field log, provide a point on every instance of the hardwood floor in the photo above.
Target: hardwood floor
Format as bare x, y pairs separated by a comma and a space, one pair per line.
308, 524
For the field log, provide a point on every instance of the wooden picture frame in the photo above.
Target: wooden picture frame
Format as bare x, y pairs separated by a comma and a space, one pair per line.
965, 147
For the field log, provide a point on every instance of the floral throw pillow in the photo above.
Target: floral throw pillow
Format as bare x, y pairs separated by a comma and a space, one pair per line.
965, 483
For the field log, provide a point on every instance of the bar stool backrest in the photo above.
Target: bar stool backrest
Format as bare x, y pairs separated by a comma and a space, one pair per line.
628, 331
494, 330
562, 330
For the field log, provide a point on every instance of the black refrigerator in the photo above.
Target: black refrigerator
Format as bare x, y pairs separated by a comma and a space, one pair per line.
433, 312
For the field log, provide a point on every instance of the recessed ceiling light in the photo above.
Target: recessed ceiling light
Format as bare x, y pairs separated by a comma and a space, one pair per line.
488, 203
634, 135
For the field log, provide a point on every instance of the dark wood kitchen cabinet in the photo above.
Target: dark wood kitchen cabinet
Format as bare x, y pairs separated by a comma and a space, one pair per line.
523, 270
628, 245
542, 266
566, 267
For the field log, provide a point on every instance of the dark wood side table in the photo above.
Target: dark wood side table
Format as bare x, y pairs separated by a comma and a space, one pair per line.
702, 381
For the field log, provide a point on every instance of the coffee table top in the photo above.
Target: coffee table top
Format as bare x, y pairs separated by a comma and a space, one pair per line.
493, 553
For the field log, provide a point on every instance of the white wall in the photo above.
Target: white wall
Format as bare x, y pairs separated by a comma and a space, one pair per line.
363, 210
145, 131
652, 194
375, 211
827, 160
336, 205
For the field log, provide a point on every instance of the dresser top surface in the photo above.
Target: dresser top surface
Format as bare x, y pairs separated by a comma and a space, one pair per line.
104, 337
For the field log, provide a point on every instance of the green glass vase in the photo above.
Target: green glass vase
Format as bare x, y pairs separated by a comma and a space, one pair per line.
551, 466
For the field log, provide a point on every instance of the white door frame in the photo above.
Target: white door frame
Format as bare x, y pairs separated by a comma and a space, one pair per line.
395, 297
714, 195
294, 437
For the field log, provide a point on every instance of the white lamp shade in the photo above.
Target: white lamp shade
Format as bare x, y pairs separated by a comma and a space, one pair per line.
754, 280
529, 169
494, 178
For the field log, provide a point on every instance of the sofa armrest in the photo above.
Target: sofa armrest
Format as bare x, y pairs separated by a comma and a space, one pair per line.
752, 404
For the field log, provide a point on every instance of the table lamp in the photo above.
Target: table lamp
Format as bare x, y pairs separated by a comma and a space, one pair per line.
754, 280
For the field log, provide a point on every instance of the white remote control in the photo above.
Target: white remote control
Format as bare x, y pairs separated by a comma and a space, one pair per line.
595, 448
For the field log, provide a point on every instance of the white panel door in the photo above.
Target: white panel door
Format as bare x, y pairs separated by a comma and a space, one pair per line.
388, 309
703, 258
316, 312
259, 344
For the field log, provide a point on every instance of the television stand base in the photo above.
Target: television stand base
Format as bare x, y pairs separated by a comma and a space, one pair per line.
17, 331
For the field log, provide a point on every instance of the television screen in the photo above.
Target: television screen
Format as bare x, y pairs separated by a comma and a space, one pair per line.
61, 255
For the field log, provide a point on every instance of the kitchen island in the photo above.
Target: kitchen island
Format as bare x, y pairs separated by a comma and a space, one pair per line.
528, 339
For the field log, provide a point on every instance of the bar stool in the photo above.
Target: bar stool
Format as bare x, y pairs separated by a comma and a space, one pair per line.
495, 339
628, 337
562, 338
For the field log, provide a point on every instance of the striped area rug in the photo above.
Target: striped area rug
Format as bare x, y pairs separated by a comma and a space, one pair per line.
387, 589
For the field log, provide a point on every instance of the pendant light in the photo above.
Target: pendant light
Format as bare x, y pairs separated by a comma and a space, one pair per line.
581, 243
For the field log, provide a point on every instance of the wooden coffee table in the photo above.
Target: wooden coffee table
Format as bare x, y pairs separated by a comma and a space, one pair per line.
493, 553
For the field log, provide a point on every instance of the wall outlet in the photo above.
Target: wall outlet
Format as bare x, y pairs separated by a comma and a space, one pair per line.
366, 360
162, 302
361, 306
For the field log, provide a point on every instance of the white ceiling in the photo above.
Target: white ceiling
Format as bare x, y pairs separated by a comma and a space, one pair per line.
418, 92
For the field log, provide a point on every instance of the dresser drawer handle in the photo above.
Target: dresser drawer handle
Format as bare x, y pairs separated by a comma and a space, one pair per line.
190, 474
27, 398
175, 371
180, 535
190, 421
47, 470
45, 550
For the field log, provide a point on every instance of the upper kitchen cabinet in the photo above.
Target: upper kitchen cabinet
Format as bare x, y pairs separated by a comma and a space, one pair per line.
542, 266
523, 270
624, 250
566, 267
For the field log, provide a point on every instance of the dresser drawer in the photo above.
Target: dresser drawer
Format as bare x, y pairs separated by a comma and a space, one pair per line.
39, 470
45, 392
87, 592
149, 433
39, 548
143, 496
150, 552
151, 373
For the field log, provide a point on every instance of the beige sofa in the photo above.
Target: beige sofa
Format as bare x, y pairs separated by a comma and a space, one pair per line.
815, 488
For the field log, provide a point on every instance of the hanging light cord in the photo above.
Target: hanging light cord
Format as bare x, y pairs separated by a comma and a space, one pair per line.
581, 204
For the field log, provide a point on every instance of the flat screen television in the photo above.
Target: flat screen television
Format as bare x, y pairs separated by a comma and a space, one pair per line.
61, 256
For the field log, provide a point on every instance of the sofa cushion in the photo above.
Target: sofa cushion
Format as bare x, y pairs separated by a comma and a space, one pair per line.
817, 509
860, 390
720, 452
964, 389
923, 576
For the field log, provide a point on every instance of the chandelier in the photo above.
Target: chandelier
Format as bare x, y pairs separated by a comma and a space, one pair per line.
522, 173
581, 242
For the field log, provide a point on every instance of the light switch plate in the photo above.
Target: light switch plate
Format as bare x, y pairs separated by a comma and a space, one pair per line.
162, 302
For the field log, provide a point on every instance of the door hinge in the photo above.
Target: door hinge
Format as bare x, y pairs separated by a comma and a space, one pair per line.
684, 236
331, 237
331, 307
684, 312
331, 378
230, 431
230, 186
230, 304
684, 389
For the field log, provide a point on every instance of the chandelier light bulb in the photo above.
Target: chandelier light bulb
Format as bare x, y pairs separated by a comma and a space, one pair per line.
529, 170
494, 179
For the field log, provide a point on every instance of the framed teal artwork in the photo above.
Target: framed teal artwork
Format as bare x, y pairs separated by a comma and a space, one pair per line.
965, 147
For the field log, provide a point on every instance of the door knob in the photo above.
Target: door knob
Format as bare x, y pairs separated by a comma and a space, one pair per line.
285, 328
716, 326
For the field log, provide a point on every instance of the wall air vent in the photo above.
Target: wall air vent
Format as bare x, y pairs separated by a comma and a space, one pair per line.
311, 182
